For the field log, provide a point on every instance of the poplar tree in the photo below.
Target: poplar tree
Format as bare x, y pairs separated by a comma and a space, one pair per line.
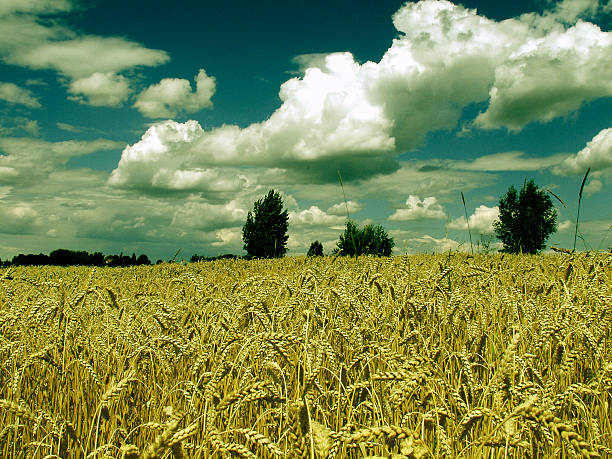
265, 231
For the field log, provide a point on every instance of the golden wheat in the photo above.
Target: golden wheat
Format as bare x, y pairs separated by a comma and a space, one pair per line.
406, 357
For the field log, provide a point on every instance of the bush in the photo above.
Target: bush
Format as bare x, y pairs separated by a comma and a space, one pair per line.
371, 240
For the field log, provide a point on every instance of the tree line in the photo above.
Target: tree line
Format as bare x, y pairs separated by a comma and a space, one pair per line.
526, 219
65, 257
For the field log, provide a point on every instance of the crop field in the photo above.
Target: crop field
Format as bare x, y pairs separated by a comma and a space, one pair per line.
404, 357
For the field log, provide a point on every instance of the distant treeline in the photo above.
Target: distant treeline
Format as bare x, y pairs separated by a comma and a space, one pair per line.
65, 257
231, 256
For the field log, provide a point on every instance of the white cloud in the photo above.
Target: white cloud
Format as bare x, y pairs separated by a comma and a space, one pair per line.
343, 114
101, 90
34, 6
32, 39
341, 207
570, 10
597, 155
200, 215
565, 225
313, 217
594, 186
31, 127
508, 161
163, 159
83, 56
14, 94
550, 76
27, 160
309, 60
229, 237
481, 221
79, 129
428, 208
19, 218
325, 116
12, 125
427, 243
174, 95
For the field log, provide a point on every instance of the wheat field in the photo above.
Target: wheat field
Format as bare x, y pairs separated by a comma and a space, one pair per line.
404, 357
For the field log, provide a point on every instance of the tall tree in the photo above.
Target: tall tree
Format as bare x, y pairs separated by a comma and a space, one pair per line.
526, 219
265, 231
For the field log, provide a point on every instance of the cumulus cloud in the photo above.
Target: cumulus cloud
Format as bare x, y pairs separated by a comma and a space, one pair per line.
550, 76
564, 225
19, 218
309, 60
594, 186
13, 94
570, 10
314, 216
101, 90
340, 208
163, 160
480, 221
597, 155
326, 120
203, 216
228, 238
427, 243
27, 160
357, 116
428, 208
174, 95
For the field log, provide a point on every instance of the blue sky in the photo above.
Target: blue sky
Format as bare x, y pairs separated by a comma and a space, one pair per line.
136, 127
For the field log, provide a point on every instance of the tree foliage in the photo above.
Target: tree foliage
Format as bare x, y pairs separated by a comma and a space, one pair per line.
526, 219
369, 240
65, 257
315, 250
265, 231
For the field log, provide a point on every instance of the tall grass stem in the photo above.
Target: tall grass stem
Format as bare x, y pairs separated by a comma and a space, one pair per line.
579, 200
468, 222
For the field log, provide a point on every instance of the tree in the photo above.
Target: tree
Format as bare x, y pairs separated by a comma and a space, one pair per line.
371, 240
526, 219
143, 260
265, 231
315, 250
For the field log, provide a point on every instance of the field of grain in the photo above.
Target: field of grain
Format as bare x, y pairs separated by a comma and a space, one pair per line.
405, 357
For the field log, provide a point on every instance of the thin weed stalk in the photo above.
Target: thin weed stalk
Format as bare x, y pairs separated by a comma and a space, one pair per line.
579, 201
468, 222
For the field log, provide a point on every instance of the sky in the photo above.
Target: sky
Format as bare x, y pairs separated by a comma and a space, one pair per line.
142, 127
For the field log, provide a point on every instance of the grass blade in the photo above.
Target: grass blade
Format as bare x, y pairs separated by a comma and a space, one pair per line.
468, 222
579, 200
558, 198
